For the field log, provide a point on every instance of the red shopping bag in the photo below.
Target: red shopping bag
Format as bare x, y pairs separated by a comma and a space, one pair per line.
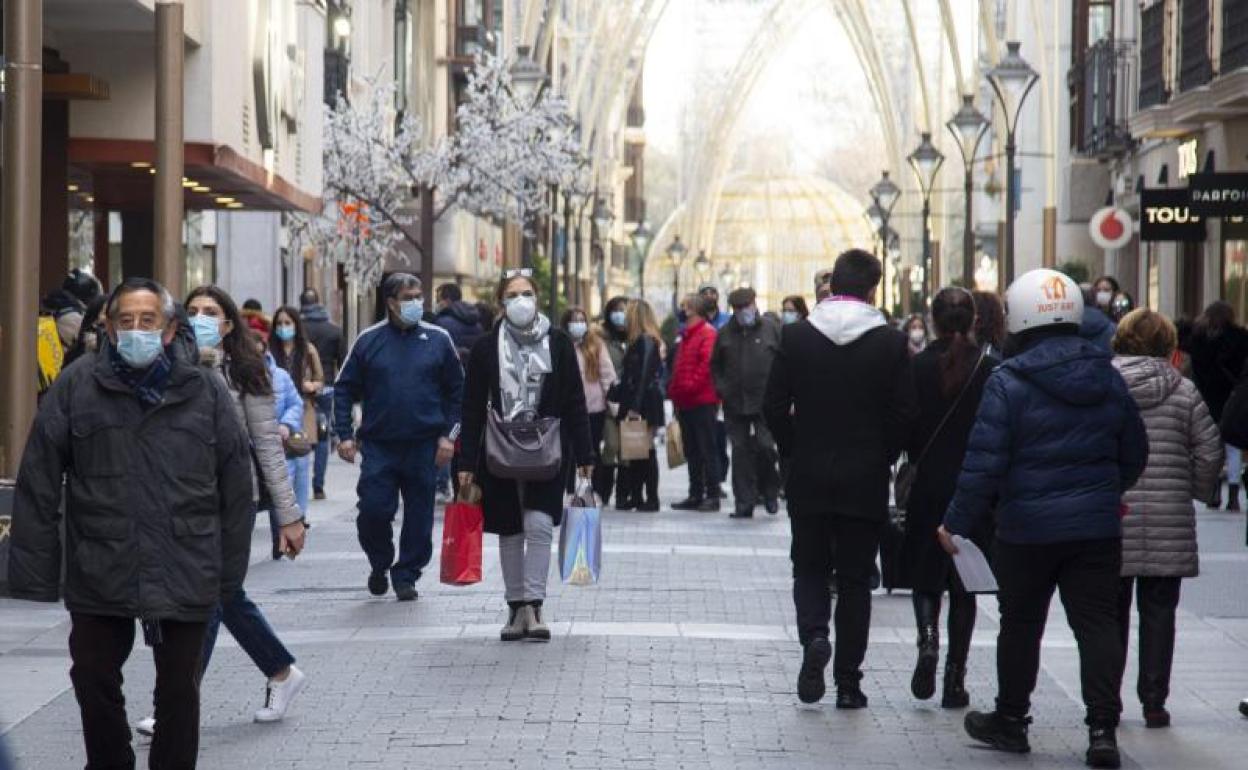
461, 539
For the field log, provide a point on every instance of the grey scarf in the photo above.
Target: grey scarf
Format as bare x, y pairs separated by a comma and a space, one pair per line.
523, 363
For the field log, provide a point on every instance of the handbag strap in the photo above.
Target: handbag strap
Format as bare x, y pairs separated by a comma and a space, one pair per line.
943, 420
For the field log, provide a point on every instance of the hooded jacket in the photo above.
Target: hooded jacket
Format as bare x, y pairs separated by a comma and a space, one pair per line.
742, 362
1184, 460
1056, 443
463, 323
691, 384
840, 401
325, 336
1097, 328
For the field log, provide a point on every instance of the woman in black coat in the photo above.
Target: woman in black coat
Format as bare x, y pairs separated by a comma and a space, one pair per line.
538, 374
949, 377
1219, 348
639, 395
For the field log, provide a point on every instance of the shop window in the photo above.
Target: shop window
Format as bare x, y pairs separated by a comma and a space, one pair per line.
1235, 265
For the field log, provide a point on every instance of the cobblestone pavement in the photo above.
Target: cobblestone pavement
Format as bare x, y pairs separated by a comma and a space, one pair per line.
683, 657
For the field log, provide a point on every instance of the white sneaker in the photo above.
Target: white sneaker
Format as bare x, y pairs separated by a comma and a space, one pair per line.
146, 727
278, 695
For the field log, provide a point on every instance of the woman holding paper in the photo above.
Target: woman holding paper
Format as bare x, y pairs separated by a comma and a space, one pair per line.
949, 378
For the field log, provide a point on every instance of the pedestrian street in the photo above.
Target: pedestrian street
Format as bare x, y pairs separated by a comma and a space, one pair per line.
684, 656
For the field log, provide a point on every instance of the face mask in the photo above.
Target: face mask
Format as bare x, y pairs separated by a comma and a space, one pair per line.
578, 329
521, 310
139, 348
748, 317
790, 316
917, 335
618, 318
1103, 298
207, 330
285, 333
410, 311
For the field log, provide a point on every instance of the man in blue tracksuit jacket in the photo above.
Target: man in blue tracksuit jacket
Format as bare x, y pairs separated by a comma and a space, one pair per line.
1057, 440
407, 376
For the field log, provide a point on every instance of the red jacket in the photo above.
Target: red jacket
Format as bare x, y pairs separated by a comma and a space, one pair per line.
691, 385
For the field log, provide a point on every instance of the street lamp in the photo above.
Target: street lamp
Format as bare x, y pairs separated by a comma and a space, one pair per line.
1011, 80
676, 253
884, 194
527, 77
641, 237
702, 264
968, 126
601, 219
926, 161
728, 277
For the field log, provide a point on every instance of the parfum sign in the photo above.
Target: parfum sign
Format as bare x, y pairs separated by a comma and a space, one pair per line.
1218, 195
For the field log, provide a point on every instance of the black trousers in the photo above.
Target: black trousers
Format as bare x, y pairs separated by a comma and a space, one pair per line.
1086, 573
847, 546
697, 427
640, 482
1158, 599
754, 471
596, 422
99, 647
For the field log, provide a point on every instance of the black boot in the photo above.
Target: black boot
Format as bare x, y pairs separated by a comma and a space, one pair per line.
926, 615
1232, 495
955, 695
690, 503
815, 656
1103, 748
999, 731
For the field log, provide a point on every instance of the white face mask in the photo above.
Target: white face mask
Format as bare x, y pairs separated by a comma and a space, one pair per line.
1103, 298
578, 329
521, 311
917, 335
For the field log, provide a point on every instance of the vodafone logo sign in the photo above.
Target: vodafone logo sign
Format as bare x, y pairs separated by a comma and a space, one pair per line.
1111, 228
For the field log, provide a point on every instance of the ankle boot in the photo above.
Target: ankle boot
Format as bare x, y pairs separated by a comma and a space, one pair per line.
955, 695
923, 683
535, 630
998, 731
1103, 748
1232, 494
514, 630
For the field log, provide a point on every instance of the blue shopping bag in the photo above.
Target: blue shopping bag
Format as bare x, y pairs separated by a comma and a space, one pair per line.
580, 541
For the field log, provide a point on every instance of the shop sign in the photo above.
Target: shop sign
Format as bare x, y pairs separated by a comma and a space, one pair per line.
1187, 158
1218, 195
1111, 228
1165, 215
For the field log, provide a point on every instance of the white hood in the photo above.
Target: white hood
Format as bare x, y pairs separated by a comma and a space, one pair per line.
845, 320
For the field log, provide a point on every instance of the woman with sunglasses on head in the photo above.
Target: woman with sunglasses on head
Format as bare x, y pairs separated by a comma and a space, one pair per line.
227, 345
523, 369
292, 351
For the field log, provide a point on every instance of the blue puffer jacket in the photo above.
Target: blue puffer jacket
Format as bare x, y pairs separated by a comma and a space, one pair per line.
1097, 328
409, 382
288, 404
1057, 441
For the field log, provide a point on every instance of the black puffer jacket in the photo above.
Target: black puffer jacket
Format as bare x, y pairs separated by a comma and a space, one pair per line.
158, 509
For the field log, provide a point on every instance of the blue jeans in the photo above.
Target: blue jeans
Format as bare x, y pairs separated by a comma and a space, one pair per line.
253, 633
299, 469
388, 470
324, 408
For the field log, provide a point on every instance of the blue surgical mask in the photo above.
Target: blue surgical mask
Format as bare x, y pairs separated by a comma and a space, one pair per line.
285, 333
790, 316
139, 348
578, 329
618, 318
748, 316
207, 330
411, 311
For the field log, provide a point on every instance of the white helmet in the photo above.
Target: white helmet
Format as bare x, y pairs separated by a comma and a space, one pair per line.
1042, 298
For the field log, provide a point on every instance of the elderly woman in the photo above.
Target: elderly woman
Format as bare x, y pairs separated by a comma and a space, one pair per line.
1159, 526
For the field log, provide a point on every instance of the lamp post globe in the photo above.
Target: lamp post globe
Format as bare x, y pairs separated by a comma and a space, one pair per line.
641, 237
527, 77
926, 161
1011, 80
676, 251
968, 126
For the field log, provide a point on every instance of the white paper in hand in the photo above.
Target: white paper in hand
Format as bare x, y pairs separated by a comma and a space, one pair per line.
972, 566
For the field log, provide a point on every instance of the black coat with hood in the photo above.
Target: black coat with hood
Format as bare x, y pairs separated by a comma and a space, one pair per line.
463, 323
158, 502
840, 401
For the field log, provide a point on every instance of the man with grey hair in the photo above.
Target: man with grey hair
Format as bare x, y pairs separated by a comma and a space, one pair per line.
156, 470
407, 375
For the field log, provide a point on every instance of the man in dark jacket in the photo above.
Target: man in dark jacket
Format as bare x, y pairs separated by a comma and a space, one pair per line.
407, 374
840, 401
158, 519
692, 391
1096, 327
1057, 441
458, 318
327, 338
741, 363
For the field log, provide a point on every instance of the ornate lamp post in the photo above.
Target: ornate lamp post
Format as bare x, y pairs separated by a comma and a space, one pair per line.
601, 219
926, 161
641, 237
884, 194
968, 126
676, 253
528, 80
1011, 80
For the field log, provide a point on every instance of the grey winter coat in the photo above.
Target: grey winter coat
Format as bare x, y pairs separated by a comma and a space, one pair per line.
1184, 459
258, 414
741, 362
158, 511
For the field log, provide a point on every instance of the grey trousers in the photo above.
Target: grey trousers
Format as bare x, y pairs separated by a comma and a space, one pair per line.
525, 558
754, 471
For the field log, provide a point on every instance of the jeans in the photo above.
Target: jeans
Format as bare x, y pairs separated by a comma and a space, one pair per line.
390, 470
325, 409
248, 626
99, 647
525, 558
1086, 573
754, 472
823, 544
1158, 600
1234, 464
300, 471
697, 427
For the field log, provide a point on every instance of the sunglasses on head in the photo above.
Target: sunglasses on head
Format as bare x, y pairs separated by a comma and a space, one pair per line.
518, 272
